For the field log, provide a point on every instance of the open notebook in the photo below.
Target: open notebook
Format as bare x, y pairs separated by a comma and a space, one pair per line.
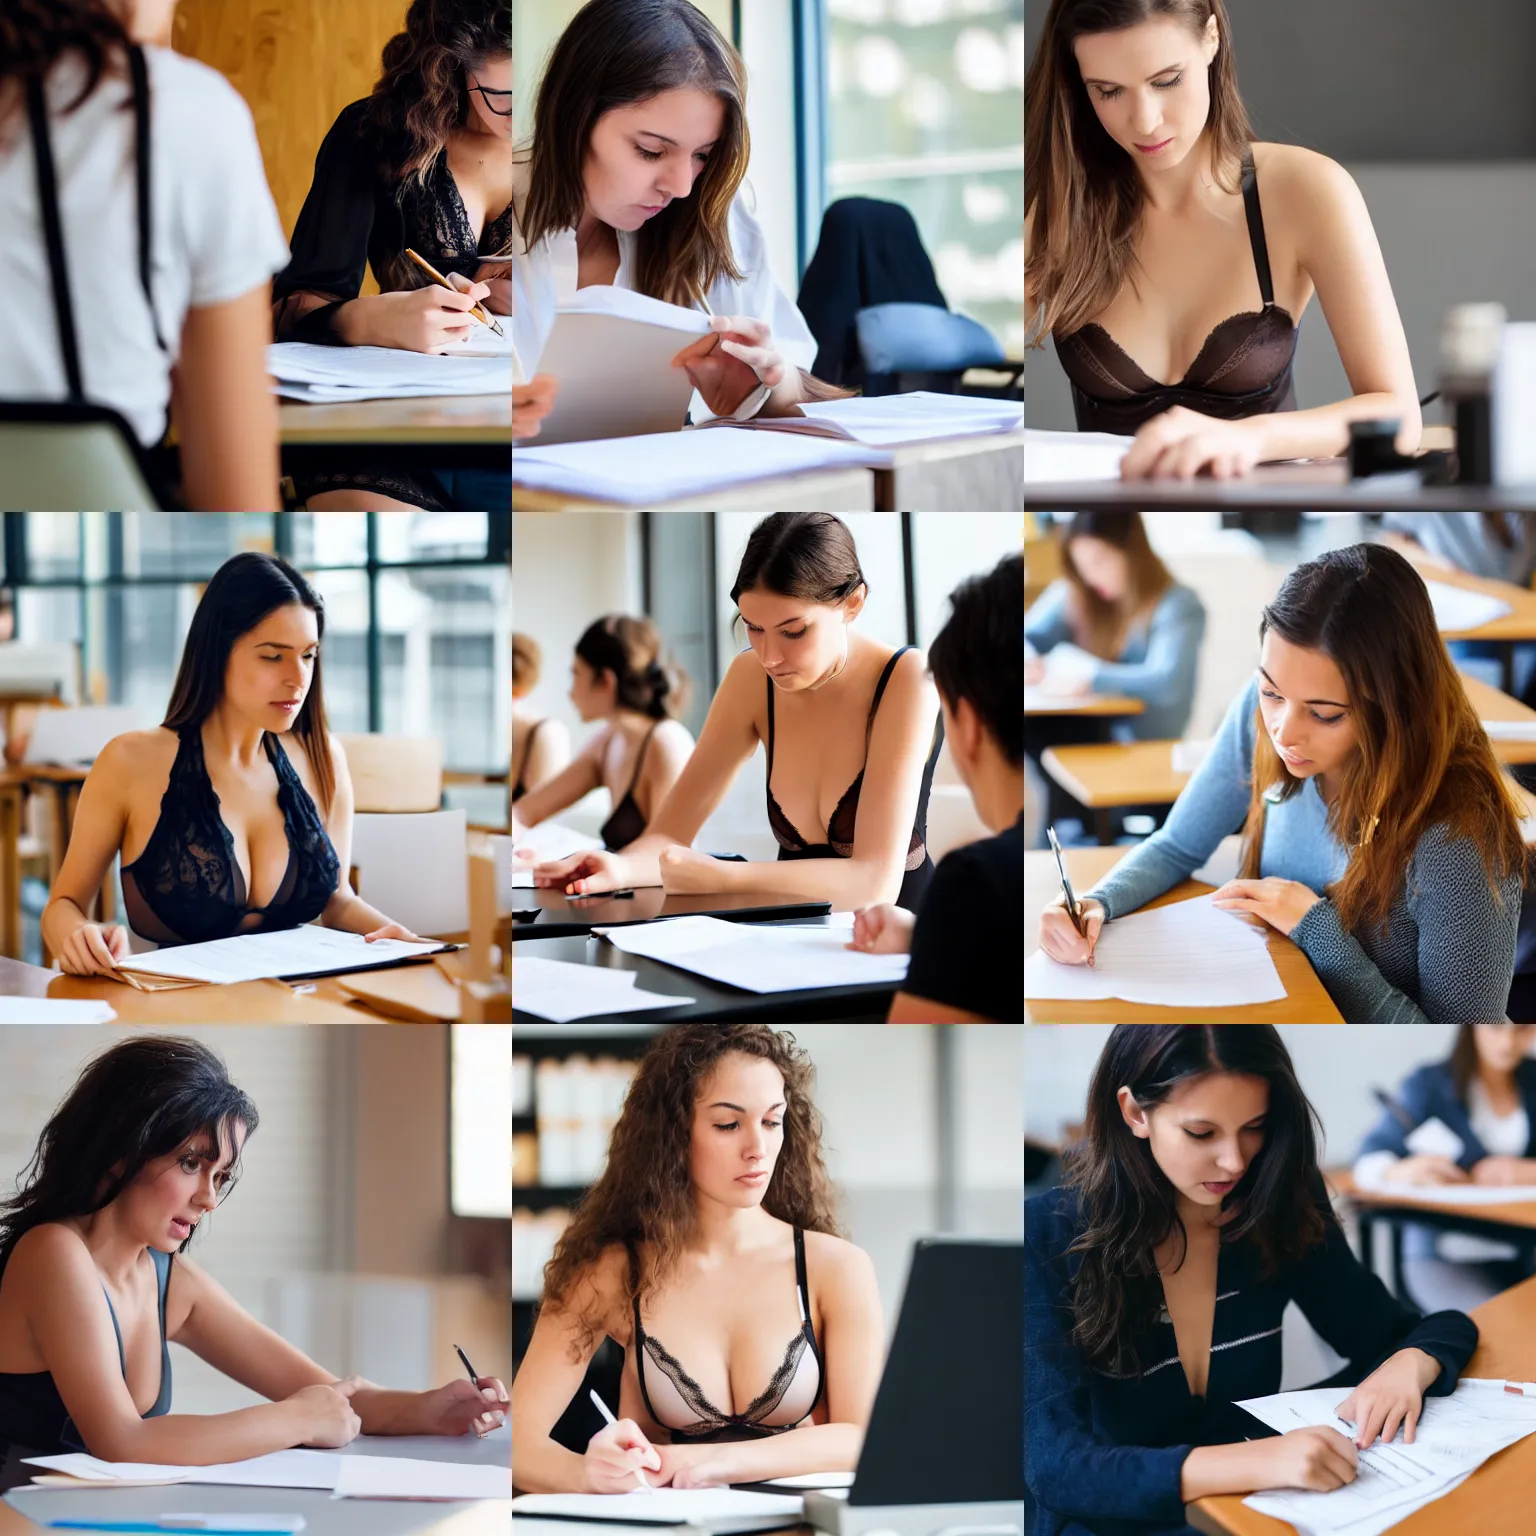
887, 421
288, 954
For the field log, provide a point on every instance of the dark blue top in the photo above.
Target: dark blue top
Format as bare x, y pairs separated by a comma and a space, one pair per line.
33, 1418
1430, 1093
1104, 1453
186, 886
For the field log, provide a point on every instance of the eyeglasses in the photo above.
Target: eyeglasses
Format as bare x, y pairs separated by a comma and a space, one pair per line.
488, 93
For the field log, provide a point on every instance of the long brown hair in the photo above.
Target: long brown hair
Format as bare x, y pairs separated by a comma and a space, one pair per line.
1464, 1061
613, 53
1128, 1208
1098, 625
645, 1193
1422, 758
1083, 198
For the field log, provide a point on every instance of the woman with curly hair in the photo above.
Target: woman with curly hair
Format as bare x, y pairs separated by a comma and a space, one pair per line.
711, 1228
425, 164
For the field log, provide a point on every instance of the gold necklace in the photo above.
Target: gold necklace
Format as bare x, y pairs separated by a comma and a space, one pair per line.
837, 672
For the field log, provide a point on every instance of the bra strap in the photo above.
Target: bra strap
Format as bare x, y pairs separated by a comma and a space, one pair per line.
639, 1336
769, 681
53, 235
885, 677
639, 761
1256, 231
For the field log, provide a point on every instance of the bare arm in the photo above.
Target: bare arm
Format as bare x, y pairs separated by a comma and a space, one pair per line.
1213, 1469
580, 777
549, 754
100, 821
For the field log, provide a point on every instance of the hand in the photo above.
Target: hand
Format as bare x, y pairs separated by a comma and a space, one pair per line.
427, 319
1424, 1169
394, 931
727, 365
328, 1420
497, 276
613, 1456
531, 403
583, 874
1061, 941
883, 930
686, 873
93, 950
1181, 442
1034, 670
1504, 1170
1280, 903
1316, 1457
1392, 1396
464, 1406
694, 1466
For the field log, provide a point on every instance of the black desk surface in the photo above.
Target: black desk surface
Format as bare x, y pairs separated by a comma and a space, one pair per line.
714, 1002
559, 918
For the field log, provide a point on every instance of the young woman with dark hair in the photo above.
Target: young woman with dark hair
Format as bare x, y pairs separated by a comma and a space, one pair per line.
1173, 297
852, 732
210, 809
619, 675
1378, 831
714, 1228
1156, 1278
95, 1284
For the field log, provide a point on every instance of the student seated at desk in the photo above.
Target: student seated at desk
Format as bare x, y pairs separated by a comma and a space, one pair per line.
1174, 299
422, 164
541, 746
209, 809
710, 1252
633, 180
1115, 622
618, 676
149, 1141
964, 937
804, 689
168, 232
1156, 1279
1485, 1096
1378, 831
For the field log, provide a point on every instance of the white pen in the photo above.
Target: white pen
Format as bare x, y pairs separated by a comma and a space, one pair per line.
602, 1408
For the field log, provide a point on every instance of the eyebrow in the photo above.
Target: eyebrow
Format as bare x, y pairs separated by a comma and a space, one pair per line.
650, 133
1166, 69
277, 645
208, 1156
1201, 1120
721, 1104
799, 618
1332, 703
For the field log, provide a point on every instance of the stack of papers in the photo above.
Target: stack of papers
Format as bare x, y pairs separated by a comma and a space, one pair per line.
304, 371
562, 990
1056, 457
715, 1509
1189, 954
287, 953
889, 420
1457, 609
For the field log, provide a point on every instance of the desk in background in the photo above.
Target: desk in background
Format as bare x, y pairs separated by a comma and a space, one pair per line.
979, 472
1516, 625
1306, 1000
819, 490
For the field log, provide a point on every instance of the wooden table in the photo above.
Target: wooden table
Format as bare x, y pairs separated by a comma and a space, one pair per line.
1490, 704
1496, 1500
1306, 1000
469, 431
820, 490
1106, 776
1518, 624
1093, 705
983, 472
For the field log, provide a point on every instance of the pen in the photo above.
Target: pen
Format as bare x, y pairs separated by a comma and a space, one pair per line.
1394, 1109
1073, 910
602, 1408
611, 895
472, 1376
479, 311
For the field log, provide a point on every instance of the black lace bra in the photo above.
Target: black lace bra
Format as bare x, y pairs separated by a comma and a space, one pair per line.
680, 1405
187, 886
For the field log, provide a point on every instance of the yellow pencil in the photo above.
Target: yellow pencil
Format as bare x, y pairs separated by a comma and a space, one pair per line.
479, 311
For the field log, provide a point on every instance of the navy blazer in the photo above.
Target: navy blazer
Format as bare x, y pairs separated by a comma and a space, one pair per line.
1429, 1093
1103, 1453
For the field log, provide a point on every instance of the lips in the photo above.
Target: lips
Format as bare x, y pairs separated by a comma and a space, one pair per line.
1220, 1189
289, 704
1152, 149
752, 1178
1291, 758
182, 1227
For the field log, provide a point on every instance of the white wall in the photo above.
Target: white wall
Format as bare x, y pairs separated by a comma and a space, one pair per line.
948, 547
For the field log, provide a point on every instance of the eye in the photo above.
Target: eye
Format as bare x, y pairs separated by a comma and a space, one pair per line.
1199, 1135
731, 1127
773, 1125
1167, 85
1108, 95
799, 634
648, 154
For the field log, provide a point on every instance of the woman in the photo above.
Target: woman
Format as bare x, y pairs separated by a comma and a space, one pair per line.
422, 164
95, 1284
848, 779
1192, 1213
1378, 832
1173, 297
711, 1228
1484, 1097
633, 179
142, 298
541, 747
618, 676
1115, 622
211, 809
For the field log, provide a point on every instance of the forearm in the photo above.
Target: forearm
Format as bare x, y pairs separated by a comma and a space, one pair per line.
202, 1440
816, 1448
541, 1466
1323, 432
61, 917
1211, 1469
847, 883
387, 1412
353, 322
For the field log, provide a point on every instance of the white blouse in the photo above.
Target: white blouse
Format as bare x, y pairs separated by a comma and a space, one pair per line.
545, 277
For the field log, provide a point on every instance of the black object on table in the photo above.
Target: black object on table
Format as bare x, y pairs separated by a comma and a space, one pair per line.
549, 914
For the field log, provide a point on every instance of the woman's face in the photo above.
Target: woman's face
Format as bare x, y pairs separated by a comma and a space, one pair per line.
642, 156
797, 641
270, 667
1305, 707
494, 116
1502, 1047
169, 1195
1205, 1135
593, 693
1150, 86
1105, 568
738, 1130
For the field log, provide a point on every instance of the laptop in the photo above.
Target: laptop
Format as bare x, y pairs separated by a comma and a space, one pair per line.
945, 1445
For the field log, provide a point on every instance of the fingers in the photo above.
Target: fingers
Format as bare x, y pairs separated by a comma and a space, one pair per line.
1370, 1426
748, 326
1394, 1422
763, 361
100, 954
1411, 1424
347, 1385
695, 350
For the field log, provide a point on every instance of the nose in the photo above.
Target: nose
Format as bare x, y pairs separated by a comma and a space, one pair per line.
674, 181
1146, 120
1230, 1161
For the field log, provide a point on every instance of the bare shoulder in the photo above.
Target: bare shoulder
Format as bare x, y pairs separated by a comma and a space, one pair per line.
835, 1262
1296, 181
140, 749
600, 1287
45, 1254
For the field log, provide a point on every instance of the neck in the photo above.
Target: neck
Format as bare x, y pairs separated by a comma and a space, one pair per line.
231, 736
838, 669
1199, 1220
631, 720
1179, 189
998, 792
1495, 1079
114, 1251
591, 232
725, 1229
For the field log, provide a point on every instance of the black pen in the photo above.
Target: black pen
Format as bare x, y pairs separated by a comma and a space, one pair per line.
1395, 1109
1073, 910
472, 1376
591, 895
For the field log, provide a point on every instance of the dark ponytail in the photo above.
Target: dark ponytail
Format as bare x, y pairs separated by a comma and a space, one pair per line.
630, 648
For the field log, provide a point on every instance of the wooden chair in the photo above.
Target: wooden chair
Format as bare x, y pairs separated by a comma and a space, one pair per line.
395, 773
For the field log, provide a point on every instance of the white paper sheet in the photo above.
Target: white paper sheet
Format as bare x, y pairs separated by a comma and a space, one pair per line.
280, 1469
886, 420
54, 1010
1456, 608
562, 990
522, 879
758, 957
1190, 954
308, 370
663, 1506
300, 951
1071, 456
1510, 730
666, 465
814, 1480
554, 840
400, 1477
1434, 1138
1456, 1194
1039, 698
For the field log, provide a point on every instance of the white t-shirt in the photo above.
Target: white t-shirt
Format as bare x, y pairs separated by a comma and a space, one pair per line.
216, 233
545, 277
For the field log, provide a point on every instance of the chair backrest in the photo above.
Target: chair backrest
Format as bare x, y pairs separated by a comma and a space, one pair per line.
414, 868
40, 666
395, 773
922, 338
78, 735
72, 456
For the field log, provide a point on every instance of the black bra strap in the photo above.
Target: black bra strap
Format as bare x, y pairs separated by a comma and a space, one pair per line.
885, 677
639, 761
1256, 231
140, 73
639, 1335
769, 682
53, 234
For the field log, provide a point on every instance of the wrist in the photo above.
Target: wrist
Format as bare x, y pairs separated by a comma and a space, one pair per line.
351, 322
1427, 1367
